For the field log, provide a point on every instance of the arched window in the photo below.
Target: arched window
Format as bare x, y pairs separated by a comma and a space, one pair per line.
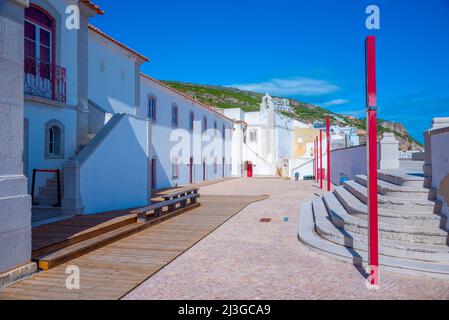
174, 116
39, 41
152, 108
54, 140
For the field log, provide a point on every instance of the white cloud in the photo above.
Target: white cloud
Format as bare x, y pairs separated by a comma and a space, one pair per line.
336, 102
292, 86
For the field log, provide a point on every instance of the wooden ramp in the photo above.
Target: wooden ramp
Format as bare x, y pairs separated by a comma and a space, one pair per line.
113, 270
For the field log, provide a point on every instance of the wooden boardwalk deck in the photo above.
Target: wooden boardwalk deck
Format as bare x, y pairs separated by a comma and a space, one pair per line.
112, 271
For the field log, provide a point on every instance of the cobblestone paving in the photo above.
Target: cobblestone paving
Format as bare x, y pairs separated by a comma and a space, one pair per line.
247, 259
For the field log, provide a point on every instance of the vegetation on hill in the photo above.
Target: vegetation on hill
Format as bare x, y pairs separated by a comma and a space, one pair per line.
225, 97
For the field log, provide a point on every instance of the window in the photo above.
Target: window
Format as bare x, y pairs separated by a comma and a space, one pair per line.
191, 120
204, 124
215, 125
54, 140
175, 169
223, 132
174, 116
39, 38
252, 136
152, 108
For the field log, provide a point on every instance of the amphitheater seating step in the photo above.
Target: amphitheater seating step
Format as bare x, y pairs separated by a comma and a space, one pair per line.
413, 237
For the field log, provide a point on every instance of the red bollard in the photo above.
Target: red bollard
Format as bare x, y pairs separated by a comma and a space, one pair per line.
373, 240
315, 159
328, 139
321, 159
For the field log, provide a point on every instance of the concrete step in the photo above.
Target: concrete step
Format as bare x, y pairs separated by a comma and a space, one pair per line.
96, 237
393, 203
52, 183
393, 190
43, 212
46, 198
46, 191
342, 219
359, 209
56, 258
402, 177
388, 248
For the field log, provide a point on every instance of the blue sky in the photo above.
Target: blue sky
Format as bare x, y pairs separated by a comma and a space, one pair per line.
312, 50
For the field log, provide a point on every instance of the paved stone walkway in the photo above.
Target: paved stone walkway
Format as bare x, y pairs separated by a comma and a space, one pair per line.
247, 259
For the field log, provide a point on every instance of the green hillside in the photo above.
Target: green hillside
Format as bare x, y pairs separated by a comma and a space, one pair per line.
225, 97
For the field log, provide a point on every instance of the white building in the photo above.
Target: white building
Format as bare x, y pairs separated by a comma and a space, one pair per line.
263, 141
282, 105
344, 137
79, 117
175, 115
87, 115
341, 136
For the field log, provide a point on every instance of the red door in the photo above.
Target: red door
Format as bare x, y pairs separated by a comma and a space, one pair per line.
223, 167
204, 170
153, 173
191, 170
249, 169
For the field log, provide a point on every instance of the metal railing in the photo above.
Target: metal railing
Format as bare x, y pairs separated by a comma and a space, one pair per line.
58, 181
44, 79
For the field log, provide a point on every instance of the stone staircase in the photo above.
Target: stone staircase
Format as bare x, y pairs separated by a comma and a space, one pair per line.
46, 199
413, 237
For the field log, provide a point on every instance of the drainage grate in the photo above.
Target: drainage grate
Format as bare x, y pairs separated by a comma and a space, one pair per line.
265, 220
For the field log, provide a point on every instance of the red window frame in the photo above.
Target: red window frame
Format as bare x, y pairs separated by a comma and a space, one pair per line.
51, 29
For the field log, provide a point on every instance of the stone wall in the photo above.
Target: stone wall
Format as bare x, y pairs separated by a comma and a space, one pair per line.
15, 204
348, 161
437, 160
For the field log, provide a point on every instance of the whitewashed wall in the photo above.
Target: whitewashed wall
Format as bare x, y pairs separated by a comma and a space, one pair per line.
112, 72
66, 45
350, 161
440, 163
38, 116
162, 129
284, 136
115, 175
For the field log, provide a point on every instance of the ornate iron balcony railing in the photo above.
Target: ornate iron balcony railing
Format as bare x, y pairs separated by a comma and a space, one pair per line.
44, 79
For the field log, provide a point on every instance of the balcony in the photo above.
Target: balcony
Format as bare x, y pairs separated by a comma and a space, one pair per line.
44, 79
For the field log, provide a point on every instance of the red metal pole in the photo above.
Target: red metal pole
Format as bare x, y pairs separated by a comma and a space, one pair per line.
321, 159
328, 138
315, 159
371, 103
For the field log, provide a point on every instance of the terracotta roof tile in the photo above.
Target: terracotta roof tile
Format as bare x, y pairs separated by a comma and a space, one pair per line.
93, 6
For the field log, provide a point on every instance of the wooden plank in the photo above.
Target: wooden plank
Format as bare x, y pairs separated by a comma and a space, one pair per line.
113, 270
